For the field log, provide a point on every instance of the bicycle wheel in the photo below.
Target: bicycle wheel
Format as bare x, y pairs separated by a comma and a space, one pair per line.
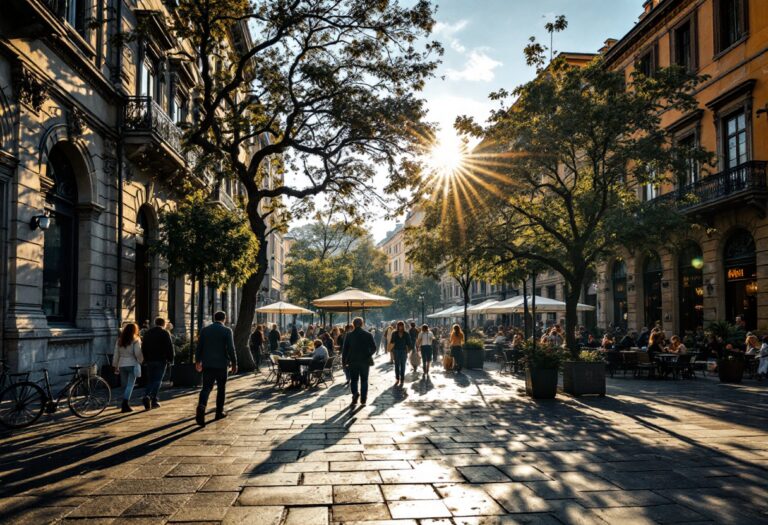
89, 396
21, 404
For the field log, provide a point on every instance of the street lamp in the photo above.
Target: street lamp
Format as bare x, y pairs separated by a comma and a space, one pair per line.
421, 298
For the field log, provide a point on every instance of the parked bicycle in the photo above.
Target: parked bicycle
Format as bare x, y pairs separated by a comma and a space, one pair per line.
23, 402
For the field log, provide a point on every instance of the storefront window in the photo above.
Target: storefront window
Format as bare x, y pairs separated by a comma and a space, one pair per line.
652, 289
691, 291
741, 279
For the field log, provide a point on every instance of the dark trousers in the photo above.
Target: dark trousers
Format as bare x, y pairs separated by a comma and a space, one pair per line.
401, 356
219, 376
359, 373
256, 353
155, 372
458, 355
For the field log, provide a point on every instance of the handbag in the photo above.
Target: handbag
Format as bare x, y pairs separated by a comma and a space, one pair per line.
414, 358
447, 362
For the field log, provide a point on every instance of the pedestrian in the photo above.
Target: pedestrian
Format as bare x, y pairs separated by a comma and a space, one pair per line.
387, 340
357, 357
157, 348
413, 332
340, 344
399, 345
215, 353
127, 361
294, 337
424, 343
274, 340
256, 343
456, 342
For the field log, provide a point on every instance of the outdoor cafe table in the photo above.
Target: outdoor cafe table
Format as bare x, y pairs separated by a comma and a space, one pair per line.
304, 363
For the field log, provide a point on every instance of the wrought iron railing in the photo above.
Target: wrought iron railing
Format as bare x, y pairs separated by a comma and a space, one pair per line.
744, 178
142, 114
222, 197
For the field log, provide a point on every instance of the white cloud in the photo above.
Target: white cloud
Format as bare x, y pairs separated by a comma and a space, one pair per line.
477, 68
448, 31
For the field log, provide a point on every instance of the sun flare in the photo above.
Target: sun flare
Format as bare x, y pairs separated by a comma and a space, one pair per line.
447, 155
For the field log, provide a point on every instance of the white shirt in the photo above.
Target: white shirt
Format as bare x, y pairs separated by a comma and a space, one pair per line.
425, 338
127, 355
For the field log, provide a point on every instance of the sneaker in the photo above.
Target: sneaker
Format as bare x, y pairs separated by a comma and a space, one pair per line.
363, 402
220, 415
354, 400
200, 415
145, 402
155, 404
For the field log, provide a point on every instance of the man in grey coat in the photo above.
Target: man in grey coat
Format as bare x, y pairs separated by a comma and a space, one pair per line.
215, 353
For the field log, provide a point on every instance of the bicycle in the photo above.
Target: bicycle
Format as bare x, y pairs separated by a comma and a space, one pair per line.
23, 402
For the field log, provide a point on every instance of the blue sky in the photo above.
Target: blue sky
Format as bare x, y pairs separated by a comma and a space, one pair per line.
483, 42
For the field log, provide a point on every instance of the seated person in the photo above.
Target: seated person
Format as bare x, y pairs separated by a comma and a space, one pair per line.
752, 344
607, 343
319, 355
500, 338
676, 346
592, 342
626, 342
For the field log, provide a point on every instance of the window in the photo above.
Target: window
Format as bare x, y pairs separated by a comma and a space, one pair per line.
650, 191
60, 242
147, 80
552, 291
683, 42
690, 173
75, 12
730, 23
646, 65
735, 137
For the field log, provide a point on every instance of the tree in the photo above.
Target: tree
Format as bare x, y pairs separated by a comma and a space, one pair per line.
406, 295
560, 168
327, 235
369, 267
309, 279
207, 242
326, 88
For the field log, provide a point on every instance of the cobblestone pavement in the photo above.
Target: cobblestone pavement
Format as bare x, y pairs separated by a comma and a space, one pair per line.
453, 449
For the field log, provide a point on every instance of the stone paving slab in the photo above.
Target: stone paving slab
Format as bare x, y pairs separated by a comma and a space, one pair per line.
462, 449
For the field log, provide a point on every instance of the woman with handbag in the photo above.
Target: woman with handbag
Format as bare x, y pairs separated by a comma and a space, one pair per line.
424, 344
456, 342
399, 344
127, 361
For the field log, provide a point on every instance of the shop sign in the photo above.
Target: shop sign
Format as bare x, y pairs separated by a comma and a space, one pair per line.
736, 273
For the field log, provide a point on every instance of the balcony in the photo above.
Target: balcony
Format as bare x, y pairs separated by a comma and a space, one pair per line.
222, 198
151, 137
744, 184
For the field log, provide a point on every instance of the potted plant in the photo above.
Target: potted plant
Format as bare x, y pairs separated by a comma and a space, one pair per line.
542, 365
585, 374
183, 372
730, 367
474, 353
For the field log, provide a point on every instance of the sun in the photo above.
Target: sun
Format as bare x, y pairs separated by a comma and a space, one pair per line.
447, 155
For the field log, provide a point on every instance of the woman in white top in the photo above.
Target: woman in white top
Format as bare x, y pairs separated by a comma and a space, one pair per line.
127, 361
762, 369
424, 344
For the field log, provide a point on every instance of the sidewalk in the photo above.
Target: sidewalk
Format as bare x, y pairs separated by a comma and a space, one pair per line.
461, 449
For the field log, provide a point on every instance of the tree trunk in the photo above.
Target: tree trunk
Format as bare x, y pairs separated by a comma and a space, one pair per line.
192, 322
201, 304
571, 304
526, 327
245, 316
466, 317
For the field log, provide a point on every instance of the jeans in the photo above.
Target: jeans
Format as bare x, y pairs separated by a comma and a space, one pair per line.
155, 372
401, 357
359, 372
128, 380
256, 353
219, 376
426, 355
458, 355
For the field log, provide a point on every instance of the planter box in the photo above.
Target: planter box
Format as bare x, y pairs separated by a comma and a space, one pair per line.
185, 375
474, 358
581, 378
541, 383
730, 371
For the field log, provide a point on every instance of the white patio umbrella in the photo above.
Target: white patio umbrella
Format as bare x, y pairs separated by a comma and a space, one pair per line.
543, 305
352, 299
439, 314
281, 307
481, 308
453, 311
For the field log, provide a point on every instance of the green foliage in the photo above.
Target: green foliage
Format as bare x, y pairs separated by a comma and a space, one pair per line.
474, 344
201, 239
728, 332
406, 295
590, 356
544, 356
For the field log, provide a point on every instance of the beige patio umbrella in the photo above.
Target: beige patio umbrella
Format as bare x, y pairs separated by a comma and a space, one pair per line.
352, 299
281, 307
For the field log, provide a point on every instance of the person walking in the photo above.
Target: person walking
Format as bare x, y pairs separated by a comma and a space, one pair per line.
424, 344
400, 344
256, 343
340, 343
274, 340
215, 352
157, 348
456, 342
127, 361
294, 337
357, 357
387, 340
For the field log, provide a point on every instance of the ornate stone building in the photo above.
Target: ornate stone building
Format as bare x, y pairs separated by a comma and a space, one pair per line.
90, 134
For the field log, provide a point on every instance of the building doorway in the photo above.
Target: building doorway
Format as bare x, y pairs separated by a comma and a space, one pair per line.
652, 289
143, 269
619, 282
691, 288
740, 266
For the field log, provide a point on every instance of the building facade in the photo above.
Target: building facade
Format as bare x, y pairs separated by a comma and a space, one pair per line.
90, 136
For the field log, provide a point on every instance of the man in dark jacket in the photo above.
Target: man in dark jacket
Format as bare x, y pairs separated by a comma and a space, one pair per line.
274, 340
255, 343
356, 355
157, 347
215, 352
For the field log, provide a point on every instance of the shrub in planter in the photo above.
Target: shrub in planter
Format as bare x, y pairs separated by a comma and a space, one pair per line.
730, 368
541, 370
585, 375
474, 353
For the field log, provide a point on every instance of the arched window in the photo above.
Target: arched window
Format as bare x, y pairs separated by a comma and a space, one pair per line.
652, 289
691, 287
619, 281
60, 240
741, 279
